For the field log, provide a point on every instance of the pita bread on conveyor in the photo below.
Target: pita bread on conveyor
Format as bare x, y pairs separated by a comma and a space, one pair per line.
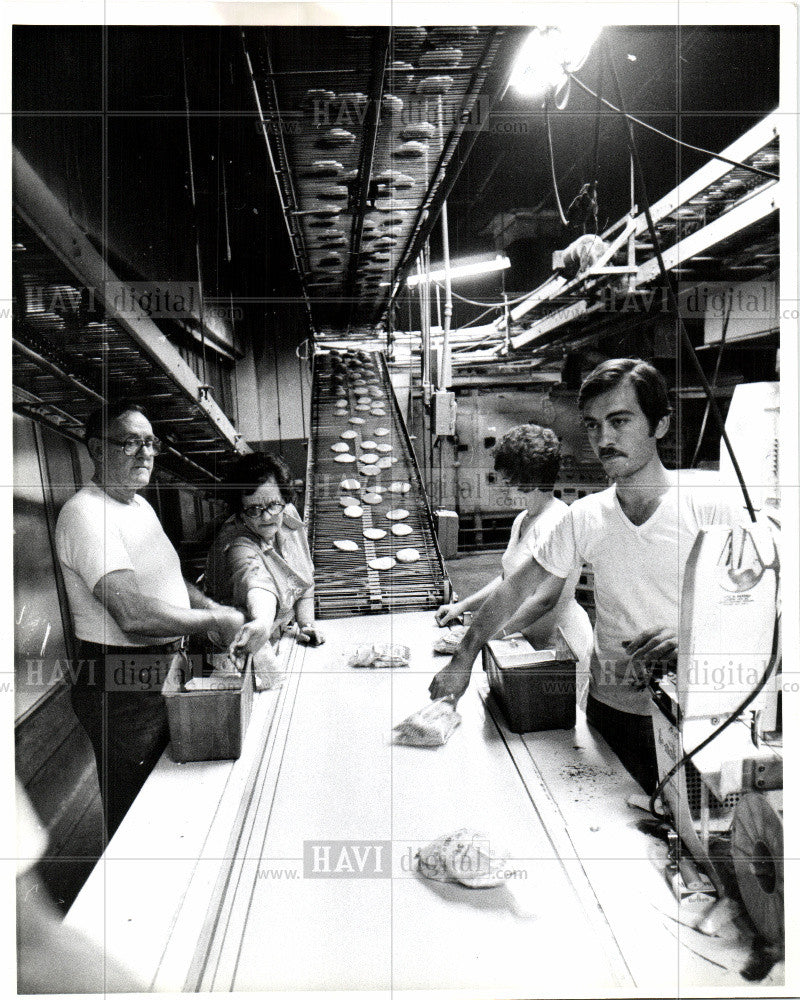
345, 545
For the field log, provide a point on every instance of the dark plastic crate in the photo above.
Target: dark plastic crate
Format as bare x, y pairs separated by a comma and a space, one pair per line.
533, 696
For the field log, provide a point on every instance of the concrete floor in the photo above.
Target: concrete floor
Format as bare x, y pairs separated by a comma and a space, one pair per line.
469, 572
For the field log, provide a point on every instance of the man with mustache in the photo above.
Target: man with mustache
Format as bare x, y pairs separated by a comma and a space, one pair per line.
636, 536
129, 603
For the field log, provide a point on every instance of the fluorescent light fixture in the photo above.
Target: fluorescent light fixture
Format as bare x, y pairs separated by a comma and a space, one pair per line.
547, 54
497, 263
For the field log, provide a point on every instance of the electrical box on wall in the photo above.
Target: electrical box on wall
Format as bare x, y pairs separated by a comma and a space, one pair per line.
443, 413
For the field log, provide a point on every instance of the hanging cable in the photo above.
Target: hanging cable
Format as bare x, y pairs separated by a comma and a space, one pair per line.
277, 389
713, 379
672, 138
302, 402
667, 283
193, 196
596, 152
741, 707
490, 305
561, 215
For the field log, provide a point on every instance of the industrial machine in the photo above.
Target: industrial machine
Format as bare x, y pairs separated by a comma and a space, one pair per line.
717, 718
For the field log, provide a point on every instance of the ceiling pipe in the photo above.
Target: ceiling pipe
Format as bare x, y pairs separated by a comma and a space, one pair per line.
443, 374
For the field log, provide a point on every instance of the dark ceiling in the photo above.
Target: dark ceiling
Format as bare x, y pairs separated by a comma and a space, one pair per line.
102, 116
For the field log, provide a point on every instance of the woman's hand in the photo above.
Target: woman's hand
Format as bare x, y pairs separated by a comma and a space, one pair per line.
310, 635
448, 614
253, 635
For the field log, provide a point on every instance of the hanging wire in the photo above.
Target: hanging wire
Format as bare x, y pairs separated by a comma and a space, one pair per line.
561, 215
673, 301
477, 318
194, 216
713, 380
277, 388
596, 152
489, 305
672, 138
302, 402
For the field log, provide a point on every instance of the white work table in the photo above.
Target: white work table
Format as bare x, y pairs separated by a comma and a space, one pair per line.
203, 887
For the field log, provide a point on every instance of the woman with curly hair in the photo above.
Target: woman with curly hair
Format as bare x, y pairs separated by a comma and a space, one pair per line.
528, 458
260, 560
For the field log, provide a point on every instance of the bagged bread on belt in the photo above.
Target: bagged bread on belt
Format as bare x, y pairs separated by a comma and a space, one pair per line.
431, 726
378, 655
465, 856
448, 642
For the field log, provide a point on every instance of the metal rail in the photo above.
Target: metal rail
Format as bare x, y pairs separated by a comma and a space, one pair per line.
699, 215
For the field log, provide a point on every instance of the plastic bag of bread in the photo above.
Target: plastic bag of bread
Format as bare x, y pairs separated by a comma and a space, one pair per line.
465, 856
431, 726
448, 642
378, 655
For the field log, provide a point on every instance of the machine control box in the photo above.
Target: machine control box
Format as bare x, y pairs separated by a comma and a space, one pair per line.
443, 413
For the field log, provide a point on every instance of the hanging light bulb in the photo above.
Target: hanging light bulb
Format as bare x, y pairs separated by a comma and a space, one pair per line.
548, 54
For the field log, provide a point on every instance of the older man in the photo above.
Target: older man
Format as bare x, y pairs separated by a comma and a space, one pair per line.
129, 602
636, 536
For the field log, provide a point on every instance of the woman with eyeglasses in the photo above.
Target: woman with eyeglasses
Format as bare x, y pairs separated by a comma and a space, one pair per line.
260, 560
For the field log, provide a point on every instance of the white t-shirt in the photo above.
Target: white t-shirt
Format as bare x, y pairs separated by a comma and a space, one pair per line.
638, 573
567, 614
96, 535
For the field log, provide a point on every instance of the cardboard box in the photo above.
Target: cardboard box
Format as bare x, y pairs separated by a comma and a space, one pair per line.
207, 724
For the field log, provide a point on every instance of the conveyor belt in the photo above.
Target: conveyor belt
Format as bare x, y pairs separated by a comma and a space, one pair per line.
345, 583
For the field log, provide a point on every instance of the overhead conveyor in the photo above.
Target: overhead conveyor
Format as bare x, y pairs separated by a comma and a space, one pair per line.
74, 347
718, 225
360, 456
720, 221
366, 132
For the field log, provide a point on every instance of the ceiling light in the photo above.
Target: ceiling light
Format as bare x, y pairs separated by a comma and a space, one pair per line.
497, 263
548, 54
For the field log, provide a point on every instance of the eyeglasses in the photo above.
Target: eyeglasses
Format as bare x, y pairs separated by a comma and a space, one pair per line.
256, 510
133, 445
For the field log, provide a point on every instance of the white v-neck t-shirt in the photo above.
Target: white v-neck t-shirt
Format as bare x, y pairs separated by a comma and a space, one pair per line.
567, 615
638, 573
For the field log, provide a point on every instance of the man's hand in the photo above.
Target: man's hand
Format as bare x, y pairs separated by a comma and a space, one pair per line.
447, 614
652, 650
227, 623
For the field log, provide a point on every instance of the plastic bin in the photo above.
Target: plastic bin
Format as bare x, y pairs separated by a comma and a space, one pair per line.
535, 689
207, 724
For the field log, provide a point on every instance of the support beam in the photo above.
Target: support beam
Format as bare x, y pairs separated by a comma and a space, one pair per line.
745, 214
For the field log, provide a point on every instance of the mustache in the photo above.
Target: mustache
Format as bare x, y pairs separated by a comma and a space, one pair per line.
611, 453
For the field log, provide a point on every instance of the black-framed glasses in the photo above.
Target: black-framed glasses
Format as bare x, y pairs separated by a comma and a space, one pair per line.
133, 445
257, 510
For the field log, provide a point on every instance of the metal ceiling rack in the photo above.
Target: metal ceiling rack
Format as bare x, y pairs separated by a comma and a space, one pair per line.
357, 157
72, 349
